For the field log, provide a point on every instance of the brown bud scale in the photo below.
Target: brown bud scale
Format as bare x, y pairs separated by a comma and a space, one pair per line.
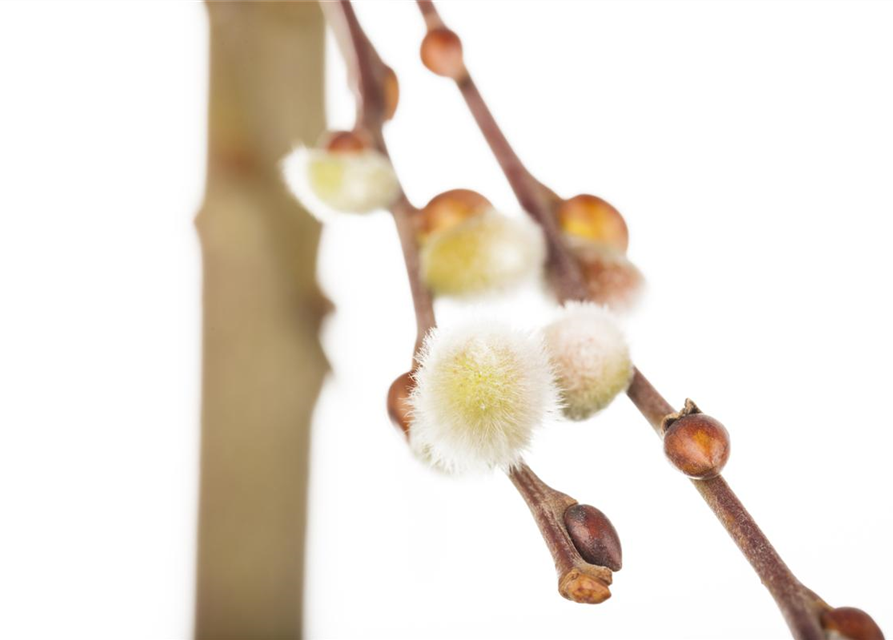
594, 536
398, 405
851, 623
449, 209
592, 218
585, 587
697, 445
391, 89
442, 53
345, 141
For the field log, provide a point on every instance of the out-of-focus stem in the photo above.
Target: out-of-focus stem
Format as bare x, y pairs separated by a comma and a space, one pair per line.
262, 362
367, 73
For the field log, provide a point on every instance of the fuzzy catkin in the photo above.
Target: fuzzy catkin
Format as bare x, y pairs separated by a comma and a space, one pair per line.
481, 391
328, 183
483, 253
590, 357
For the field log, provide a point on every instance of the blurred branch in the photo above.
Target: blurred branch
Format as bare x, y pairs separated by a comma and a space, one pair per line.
370, 78
262, 362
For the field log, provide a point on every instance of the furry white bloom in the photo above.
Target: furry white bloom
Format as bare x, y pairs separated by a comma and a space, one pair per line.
345, 182
590, 358
482, 253
480, 392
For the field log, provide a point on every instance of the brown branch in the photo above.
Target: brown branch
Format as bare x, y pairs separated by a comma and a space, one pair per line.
404, 212
578, 580
648, 401
368, 75
534, 197
801, 608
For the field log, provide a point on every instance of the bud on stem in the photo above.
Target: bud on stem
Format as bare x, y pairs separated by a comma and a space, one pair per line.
578, 580
442, 53
695, 443
398, 402
850, 623
594, 536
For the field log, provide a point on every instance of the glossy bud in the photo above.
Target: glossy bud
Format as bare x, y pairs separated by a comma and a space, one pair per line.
594, 536
449, 209
391, 88
398, 405
592, 218
442, 53
851, 623
697, 445
344, 141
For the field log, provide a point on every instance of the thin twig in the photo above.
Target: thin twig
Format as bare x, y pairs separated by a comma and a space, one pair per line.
799, 606
367, 74
578, 580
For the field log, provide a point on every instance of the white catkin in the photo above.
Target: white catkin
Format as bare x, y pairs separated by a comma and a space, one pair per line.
329, 184
481, 391
590, 357
482, 254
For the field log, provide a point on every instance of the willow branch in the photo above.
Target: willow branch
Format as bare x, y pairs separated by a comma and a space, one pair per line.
367, 73
799, 606
578, 580
538, 200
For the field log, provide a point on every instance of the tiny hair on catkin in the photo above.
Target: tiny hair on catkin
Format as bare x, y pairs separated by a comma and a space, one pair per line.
590, 358
481, 254
329, 183
481, 391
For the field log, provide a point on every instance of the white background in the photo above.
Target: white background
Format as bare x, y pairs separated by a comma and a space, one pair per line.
749, 146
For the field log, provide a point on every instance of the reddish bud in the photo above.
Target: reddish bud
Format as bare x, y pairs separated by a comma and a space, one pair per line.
442, 53
449, 209
592, 218
398, 405
344, 141
391, 89
594, 536
851, 623
697, 445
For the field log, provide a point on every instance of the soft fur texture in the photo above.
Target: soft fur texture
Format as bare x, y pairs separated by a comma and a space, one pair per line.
590, 357
343, 182
481, 390
482, 253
